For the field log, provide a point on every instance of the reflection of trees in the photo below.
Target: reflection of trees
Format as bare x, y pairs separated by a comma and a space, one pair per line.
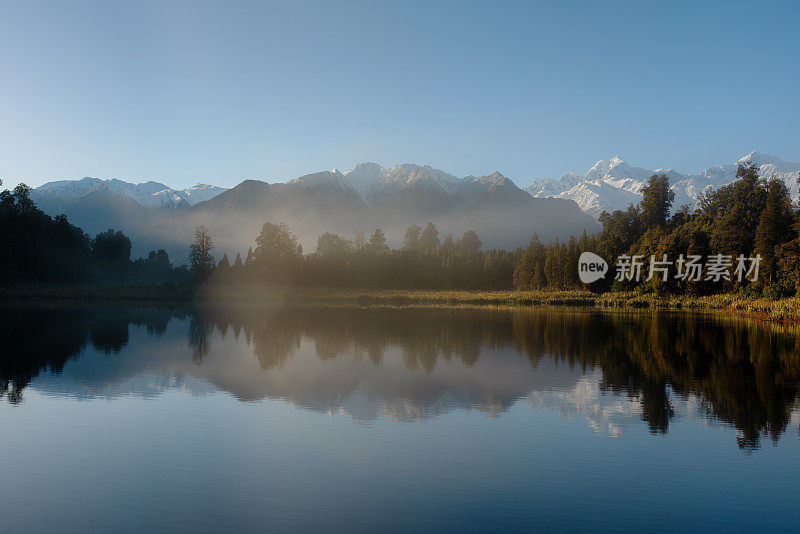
422, 336
199, 330
743, 373
273, 336
110, 333
35, 340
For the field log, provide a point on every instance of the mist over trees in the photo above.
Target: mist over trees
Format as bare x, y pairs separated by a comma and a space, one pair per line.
751, 216
748, 217
35, 247
367, 262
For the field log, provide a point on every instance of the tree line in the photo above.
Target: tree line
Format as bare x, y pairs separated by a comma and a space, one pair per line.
424, 261
750, 217
746, 377
35, 247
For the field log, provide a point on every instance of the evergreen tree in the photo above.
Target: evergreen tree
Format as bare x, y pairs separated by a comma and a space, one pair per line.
429, 240
774, 226
359, 241
224, 264
411, 239
112, 247
278, 254
469, 243
656, 202
529, 268
377, 242
447, 245
201, 260
554, 266
237, 269
736, 213
330, 244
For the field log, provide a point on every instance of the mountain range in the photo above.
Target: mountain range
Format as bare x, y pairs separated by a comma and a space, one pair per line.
613, 184
369, 196
96, 205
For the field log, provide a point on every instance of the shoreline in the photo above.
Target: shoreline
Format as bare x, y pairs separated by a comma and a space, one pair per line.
786, 310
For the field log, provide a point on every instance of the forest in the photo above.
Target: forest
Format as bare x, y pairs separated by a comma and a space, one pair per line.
751, 217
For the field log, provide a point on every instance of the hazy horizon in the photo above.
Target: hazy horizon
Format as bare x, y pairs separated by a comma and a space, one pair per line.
283, 179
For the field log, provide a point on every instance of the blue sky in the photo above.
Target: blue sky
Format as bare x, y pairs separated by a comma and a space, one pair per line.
216, 92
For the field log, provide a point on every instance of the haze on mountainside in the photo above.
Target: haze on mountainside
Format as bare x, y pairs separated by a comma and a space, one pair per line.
503, 215
97, 205
369, 196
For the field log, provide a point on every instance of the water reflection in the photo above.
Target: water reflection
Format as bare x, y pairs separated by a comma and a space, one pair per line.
412, 365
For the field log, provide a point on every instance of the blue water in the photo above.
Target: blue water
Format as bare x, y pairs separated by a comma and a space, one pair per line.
386, 420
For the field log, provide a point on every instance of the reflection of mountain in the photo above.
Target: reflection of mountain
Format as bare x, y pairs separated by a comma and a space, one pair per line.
411, 365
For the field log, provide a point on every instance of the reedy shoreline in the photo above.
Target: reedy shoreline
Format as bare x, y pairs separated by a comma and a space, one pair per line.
779, 310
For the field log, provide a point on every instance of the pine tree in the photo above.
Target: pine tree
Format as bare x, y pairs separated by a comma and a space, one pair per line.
774, 226
411, 239
656, 202
278, 254
429, 240
529, 268
737, 213
377, 242
224, 264
200, 258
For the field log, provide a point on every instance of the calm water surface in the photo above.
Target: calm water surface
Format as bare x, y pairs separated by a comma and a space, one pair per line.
393, 420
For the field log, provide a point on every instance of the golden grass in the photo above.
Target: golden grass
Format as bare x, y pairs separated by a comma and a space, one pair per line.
787, 309
782, 310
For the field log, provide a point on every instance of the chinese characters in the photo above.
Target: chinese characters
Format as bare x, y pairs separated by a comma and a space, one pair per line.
717, 267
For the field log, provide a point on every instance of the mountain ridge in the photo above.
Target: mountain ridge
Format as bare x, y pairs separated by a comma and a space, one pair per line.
368, 197
614, 184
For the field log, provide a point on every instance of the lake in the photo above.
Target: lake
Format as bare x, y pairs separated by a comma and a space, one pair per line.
331, 419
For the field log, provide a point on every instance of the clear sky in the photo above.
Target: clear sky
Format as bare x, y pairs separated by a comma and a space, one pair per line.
216, 92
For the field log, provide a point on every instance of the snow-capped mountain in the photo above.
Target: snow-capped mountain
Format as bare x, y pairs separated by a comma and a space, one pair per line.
96, 205
613, 184
367, 197
57, 197
370, 179
199, 193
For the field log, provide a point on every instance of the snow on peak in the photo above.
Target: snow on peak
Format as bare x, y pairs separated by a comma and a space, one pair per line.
492, 179
200, 193
368, 179
364, 178
150, 194
613, 184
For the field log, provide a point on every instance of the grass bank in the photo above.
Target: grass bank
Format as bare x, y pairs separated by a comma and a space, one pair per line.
784, 310
781, 310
